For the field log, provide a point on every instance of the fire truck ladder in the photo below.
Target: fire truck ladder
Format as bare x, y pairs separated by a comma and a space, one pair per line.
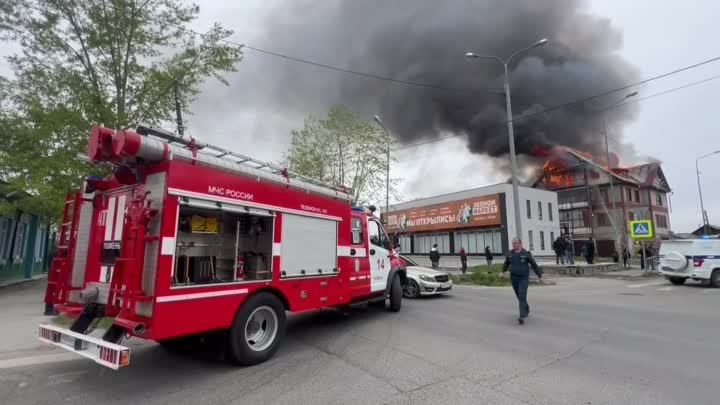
58, 277
236, 158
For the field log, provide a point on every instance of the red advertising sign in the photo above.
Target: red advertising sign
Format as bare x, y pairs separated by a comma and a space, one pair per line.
472, 212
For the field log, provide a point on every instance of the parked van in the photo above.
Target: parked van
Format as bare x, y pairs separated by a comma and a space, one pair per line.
697, 259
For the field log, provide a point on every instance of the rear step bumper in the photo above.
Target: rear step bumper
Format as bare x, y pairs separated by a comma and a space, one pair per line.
105, 353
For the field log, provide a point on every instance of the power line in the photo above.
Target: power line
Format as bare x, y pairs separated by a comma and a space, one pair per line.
354, 72
549, 109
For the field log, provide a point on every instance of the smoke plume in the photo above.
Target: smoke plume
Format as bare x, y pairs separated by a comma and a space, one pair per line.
425, 41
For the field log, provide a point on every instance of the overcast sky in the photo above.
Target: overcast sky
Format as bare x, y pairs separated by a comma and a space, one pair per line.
657, 37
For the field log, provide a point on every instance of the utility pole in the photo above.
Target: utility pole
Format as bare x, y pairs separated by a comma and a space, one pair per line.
178, 110
387, 168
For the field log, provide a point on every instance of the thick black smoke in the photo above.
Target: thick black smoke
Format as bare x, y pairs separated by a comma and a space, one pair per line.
425, 41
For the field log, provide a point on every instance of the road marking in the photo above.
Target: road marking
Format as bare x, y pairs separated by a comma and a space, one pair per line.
707, 290
647, 284
665, 289
35, 360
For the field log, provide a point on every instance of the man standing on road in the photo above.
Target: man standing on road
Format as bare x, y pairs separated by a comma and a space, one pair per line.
463, 260
569, 251
559, 248
435, 257
519, 261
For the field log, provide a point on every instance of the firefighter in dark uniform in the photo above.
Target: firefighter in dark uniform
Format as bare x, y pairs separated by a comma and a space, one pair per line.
519, 261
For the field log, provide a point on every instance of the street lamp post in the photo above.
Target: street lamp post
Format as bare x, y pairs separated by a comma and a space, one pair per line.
511, 135
702, 206
618, 243
387, 169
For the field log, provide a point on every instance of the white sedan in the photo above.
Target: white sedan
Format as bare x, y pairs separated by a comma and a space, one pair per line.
424, 281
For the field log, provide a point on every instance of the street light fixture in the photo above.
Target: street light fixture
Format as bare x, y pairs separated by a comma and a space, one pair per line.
387, 169
612, 180
511, 135
702, 206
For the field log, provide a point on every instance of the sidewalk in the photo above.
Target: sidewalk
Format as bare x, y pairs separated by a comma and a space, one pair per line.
22, 311
5, 284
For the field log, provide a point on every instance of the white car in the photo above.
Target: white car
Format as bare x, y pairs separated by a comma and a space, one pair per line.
424, 281
697, 259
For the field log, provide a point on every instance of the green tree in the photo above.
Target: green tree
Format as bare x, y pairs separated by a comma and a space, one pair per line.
344, 151
112, 62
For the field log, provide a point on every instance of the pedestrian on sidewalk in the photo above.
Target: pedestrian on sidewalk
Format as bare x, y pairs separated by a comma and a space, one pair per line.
435, 257
559, 248
569, 251
488, 258
463, 260
589, 250
626, 257
519, 261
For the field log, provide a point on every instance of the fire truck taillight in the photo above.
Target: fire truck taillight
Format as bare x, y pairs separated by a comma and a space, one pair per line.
124, 358
698, 262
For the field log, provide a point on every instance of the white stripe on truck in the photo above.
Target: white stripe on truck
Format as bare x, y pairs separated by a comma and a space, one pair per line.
194, 296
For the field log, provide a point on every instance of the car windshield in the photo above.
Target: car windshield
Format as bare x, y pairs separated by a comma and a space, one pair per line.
409, 262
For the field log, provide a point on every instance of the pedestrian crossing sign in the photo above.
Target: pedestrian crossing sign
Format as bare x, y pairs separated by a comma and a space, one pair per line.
641, 229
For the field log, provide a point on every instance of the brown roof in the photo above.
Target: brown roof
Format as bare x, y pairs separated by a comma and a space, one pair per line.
648, 174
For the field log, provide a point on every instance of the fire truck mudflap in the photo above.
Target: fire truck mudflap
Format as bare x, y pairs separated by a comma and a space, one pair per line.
104, 353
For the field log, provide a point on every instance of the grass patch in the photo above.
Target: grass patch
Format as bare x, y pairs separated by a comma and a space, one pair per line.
479, 275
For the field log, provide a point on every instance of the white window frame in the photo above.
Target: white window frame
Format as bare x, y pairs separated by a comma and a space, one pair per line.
20, 245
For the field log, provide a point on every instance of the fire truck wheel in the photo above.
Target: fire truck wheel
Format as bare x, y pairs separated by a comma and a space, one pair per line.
396, 293
257, 330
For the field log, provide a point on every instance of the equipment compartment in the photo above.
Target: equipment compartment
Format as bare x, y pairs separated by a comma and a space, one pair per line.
220, 244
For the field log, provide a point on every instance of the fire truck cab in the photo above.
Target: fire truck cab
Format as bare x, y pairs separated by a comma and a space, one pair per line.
185, 239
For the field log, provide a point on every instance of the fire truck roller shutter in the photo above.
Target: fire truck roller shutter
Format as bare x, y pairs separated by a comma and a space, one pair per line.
309, 246
235, 209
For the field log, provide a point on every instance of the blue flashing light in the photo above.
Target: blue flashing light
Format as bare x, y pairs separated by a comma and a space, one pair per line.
358, 209
705, 237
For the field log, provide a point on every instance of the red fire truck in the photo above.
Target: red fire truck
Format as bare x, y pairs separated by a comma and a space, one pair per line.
187, 239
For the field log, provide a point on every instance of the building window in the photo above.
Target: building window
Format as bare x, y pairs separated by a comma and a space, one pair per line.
475, 242
20, 241
531, 245
550, 214
542, 240
603, 219
5, 237
404, 244
40, 238
529, 213
574, 219
637, 196
540, 210
424, 242
628, 193
659, 199
604, 195
661, 221
552, 238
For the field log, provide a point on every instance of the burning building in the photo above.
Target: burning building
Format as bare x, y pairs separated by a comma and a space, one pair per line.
582, 183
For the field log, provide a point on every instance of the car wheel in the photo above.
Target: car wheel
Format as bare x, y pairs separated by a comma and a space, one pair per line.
677, 280
396, 292
412, 289
257, 330
715, 279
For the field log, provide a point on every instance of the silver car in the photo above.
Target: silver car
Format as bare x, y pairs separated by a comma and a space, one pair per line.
425, 281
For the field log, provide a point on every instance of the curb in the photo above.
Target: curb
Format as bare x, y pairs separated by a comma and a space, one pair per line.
22, 281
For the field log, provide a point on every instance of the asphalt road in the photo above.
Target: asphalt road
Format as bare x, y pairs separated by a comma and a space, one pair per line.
588, 341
